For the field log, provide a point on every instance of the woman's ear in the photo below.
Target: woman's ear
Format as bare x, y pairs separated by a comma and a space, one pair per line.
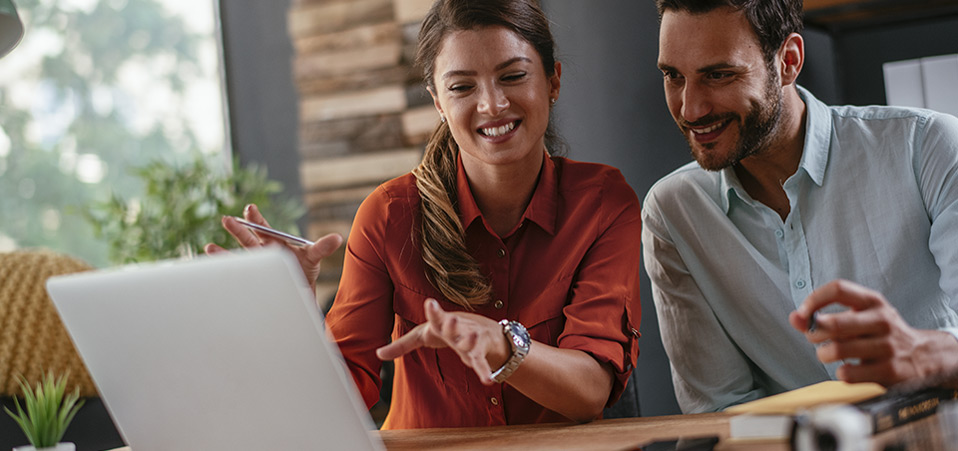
792, 58
554, 81
435, 101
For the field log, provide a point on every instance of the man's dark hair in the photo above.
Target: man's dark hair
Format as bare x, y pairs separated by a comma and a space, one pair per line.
771, 20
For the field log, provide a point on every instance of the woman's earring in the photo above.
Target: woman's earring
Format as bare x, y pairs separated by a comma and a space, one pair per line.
552, 101
442, 118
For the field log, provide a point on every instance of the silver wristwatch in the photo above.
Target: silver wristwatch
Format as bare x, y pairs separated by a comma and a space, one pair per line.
518, 338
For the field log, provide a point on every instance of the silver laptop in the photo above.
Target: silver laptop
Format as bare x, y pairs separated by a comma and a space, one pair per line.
216, 353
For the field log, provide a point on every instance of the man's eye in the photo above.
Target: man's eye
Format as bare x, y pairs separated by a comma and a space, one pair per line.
670, 75
719, 75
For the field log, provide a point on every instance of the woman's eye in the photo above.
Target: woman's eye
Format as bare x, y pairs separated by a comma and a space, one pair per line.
459, 88
514, 77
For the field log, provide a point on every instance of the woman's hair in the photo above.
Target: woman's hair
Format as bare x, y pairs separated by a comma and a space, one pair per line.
771, 20
449, 266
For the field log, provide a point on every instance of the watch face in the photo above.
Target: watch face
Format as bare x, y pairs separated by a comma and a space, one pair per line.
519, 335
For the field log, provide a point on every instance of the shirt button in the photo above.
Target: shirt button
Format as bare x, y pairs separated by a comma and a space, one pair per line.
494, 401
779, 233
799, 284
501, 253
498, 304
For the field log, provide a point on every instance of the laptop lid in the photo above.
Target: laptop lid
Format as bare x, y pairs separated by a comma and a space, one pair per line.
220, 352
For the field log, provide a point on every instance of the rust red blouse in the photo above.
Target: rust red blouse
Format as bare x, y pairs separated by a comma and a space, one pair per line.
569, 272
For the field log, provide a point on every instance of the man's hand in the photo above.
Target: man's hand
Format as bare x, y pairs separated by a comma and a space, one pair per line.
477, 340
888, 350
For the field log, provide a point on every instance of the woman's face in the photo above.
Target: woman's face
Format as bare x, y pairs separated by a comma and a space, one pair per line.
491, 88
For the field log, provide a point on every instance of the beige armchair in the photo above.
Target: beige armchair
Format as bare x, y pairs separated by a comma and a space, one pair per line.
32, 337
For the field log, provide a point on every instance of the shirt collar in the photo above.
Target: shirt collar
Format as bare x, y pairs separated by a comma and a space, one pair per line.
541, 209
818, 132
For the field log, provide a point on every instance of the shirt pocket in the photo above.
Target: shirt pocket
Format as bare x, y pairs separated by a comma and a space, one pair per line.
543, 316
443, 366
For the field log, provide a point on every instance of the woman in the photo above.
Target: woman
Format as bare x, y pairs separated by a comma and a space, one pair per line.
489, 227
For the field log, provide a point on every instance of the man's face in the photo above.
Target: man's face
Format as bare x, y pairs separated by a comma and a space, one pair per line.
719, 88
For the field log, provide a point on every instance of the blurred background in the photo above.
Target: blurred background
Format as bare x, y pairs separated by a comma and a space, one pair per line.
318, 99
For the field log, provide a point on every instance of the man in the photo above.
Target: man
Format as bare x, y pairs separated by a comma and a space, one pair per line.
788, 195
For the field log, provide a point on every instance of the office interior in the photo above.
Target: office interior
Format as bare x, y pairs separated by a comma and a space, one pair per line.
612, 109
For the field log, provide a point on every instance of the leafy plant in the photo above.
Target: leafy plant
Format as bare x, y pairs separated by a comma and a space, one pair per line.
181, 209
47, 413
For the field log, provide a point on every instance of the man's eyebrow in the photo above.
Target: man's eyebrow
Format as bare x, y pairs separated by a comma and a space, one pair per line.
715, 67
499, 66
702, 70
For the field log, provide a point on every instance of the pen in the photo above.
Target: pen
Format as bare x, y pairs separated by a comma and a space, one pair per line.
291, 239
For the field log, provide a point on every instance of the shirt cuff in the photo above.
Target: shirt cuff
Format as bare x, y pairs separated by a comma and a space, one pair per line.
951, 330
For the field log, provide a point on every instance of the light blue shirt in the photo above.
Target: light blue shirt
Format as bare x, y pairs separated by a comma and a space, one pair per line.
874, 201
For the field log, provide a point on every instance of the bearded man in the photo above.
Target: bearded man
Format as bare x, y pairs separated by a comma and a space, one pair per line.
792, 207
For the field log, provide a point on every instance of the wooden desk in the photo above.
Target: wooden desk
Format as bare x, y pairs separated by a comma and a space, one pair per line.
619, 434
622, 434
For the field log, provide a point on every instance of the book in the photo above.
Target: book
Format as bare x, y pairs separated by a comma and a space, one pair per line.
899, 407
773, 417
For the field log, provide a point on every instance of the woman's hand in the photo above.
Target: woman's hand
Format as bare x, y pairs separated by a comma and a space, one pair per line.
309, 257
477, 340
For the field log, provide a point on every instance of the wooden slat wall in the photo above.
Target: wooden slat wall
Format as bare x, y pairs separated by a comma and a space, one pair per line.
364, 115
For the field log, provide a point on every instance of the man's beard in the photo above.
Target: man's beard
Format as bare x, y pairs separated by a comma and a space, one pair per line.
756, 130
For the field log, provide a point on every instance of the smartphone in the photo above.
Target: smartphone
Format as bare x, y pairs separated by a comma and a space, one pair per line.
291, 239
682, 444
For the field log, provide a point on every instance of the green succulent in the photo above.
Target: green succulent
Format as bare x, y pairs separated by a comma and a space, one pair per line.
48, 412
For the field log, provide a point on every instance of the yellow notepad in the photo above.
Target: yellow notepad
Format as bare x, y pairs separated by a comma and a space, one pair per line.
828, 392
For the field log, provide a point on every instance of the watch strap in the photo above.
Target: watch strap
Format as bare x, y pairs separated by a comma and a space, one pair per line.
515, 333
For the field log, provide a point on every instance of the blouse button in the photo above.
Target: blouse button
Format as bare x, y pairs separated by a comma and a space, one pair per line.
494, 401
498, 304
501, 253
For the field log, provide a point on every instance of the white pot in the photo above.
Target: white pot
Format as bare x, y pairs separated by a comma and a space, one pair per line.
62, 446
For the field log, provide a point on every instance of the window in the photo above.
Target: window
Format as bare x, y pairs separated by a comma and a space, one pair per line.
95, 89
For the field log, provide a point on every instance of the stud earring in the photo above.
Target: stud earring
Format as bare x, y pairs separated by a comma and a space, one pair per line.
552, 101
442, 118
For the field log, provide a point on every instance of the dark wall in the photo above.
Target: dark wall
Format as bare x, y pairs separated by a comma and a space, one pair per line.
611, 110
861, 52
262, 100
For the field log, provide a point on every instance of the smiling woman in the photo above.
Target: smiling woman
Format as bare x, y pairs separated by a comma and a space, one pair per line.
95, 88
501, 278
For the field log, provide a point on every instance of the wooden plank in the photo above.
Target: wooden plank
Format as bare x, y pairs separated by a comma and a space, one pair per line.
389, 99
306, 20
338, 196
411, 10
362, 169
361, 134
355, 81
347, 62
418, 124
810, 5
363, 36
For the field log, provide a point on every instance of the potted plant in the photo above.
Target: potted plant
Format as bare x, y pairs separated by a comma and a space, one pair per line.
47, 414
181, 208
